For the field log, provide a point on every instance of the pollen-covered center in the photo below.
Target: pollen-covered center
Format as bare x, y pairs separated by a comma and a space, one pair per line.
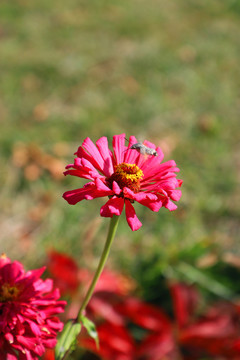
126, 175
8, 292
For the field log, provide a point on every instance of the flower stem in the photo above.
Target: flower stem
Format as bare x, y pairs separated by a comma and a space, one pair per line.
111, 234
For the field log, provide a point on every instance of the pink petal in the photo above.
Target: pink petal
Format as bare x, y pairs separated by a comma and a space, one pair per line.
100, 186
160, 154
131, 155
129, 194
149, 166
26, 355
119, 147
102, 145
149, 144
179, 182
79, 173
74, 196
83, 154
50, 343
116, 189
152, 201
131, 216
175, 194
11, 356
149, 200
156, 173
88, 167
92, 150
9, 337
114, 206
170, 205
88, 192
11, 272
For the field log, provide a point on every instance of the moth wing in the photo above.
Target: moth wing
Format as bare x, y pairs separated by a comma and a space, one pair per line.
142, 150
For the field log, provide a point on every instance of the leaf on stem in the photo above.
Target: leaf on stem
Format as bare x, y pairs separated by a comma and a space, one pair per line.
67, 340
91, 329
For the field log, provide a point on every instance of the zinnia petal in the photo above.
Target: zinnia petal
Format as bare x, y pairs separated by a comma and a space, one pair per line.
88, 192
102, 145
114, 206
119, 147
131, 216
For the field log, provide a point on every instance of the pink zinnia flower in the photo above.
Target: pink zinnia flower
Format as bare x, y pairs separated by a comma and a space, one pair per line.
125, 176
28, 309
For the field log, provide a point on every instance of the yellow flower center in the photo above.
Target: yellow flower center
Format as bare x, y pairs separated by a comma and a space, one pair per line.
8, 292
126, 175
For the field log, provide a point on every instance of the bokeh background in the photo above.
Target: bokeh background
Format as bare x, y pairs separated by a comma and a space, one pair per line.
166, 71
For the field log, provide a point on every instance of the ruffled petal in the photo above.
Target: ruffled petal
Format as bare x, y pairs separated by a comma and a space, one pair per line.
149, 144
170, 205
100, 186
102, 145
150, 166
152, 201
9, 337
119, 147
89, 151
74, 196
131, 156
83, 154
175, 194
160, 154
114, 206
89, 191
116, 189
11, 272
179, 182
82, 168
131, 216
10, 356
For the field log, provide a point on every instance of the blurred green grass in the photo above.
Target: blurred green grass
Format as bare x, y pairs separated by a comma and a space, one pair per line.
165, 71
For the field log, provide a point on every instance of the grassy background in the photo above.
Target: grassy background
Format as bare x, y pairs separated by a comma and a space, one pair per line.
164, 71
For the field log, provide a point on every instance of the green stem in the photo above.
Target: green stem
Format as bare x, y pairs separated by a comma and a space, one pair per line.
111, 234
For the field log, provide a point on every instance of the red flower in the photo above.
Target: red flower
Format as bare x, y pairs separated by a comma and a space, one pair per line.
64, 271
158, 341
116, 343
28, 309
216, 333
125, 176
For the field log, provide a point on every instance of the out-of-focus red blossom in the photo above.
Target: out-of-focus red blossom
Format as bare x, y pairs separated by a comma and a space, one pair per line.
110, 286
124, 176
116, 343
68, 277
64, 271
49, 355
158, 343
185, 300
28, 309
215, 334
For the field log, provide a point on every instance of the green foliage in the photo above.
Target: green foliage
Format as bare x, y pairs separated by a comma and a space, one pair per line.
68, 338
91, 329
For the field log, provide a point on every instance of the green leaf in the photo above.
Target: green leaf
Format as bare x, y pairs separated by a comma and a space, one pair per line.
67, 340
91, 329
